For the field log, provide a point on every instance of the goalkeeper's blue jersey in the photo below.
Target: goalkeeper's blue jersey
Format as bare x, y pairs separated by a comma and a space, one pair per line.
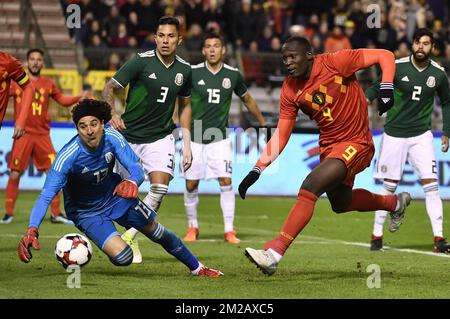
88, 180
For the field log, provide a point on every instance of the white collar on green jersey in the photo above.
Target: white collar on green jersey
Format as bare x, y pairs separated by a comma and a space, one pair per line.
210, 70
161, 60
411, 58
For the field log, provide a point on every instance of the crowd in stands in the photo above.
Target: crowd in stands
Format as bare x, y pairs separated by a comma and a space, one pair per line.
259, 26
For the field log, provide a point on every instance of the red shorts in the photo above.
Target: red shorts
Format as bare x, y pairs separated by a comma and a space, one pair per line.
39, 147
356, 156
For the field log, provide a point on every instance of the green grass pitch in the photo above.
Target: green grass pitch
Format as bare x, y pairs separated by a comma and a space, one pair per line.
330, 259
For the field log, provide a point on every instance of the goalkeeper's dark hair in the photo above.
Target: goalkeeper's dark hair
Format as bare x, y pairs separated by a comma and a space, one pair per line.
90, 107
169, 20
41, 52
301, 41
213, 35
423, 32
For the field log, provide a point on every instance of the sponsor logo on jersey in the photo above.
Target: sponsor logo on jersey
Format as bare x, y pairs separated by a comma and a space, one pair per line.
201, 82
226, 83
109, 157
85, 170
179, 79
319, 98
152, 76
405, 78
431, 81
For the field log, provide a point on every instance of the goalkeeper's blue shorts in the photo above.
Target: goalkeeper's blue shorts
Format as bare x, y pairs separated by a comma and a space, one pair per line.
100, 228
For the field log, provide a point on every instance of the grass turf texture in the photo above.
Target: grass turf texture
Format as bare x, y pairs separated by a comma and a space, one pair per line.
325, 261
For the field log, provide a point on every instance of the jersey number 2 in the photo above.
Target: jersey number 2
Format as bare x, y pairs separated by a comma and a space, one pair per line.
416, 93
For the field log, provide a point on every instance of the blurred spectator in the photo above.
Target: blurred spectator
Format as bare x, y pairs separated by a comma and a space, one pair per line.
112, 22
336, 41
253, 65
194, 40
357, 40
114, 62
121, 40
275, 44
316, 44
133, 24
194, 13
96, 42
149, 42
150, 12
297, 30
266, 38
245, 26
132, 43
130, 6
94, 29
446, 61
402, 50
415, 18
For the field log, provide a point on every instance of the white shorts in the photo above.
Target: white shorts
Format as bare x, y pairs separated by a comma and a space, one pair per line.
158, 156
209, 161
394, 151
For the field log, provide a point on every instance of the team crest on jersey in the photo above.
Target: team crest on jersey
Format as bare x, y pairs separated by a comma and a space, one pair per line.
431, 81
179, 79
109, 157
226, 83
319, 98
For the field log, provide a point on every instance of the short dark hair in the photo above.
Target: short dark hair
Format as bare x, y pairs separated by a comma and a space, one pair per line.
423, 32
34, 50
213, 35
91, 107
301, 41
169, 20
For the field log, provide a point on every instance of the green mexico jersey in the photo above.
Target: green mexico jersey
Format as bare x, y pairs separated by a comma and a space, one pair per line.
211, 100
151, 98
414, 92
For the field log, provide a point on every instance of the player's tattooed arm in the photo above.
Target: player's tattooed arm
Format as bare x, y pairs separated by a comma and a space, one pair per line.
108, 95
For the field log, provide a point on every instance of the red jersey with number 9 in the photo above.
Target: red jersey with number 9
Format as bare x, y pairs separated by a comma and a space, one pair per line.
332, 97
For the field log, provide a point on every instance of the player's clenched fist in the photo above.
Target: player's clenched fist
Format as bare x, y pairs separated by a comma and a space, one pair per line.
29, 240
248, 181
126, 189
385, 97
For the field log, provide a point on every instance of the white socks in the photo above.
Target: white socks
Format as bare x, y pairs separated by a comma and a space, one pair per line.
380, 215
433, 203
227, 203
190, 206
155, 196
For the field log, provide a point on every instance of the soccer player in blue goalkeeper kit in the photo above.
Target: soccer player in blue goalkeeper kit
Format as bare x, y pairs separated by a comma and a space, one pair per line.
95, 196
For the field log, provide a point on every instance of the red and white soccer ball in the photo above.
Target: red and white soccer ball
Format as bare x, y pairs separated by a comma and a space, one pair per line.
73, 249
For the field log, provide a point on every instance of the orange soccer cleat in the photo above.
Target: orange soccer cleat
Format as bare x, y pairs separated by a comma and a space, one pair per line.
209, 272
230, 237
192, 234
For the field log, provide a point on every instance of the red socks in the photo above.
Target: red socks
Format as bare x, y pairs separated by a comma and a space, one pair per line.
11, 193
298, 218
365, 201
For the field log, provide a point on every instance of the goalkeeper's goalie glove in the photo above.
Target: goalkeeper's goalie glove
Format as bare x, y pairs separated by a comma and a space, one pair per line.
29, 240
126, 189
249, 180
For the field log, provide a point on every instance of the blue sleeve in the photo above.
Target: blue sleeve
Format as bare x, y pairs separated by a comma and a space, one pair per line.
126, 156
54, 182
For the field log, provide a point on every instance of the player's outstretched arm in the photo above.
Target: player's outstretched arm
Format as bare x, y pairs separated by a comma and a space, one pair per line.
271, 152
253, 108
108, 95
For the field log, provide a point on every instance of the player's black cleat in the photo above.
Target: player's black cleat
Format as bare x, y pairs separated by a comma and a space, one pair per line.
376, 244
7, 219
441, 246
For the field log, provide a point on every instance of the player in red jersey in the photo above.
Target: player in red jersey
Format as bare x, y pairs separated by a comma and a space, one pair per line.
325, 88
36, 143
11, 69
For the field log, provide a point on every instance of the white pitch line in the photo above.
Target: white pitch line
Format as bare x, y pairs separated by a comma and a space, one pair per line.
315, 241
